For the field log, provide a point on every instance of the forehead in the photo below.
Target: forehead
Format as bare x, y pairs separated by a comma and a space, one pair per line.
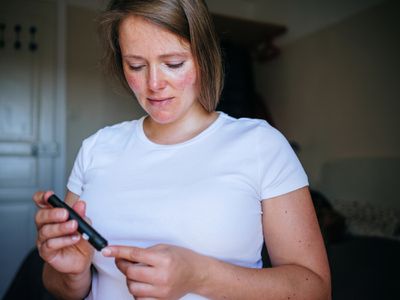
138, 35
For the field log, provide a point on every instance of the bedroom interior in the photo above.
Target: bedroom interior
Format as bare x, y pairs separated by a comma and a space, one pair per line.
326, 75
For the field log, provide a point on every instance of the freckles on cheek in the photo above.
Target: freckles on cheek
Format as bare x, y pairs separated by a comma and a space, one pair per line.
186, 80
133, 83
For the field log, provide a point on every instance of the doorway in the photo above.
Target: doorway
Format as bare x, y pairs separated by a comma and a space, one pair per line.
32, 122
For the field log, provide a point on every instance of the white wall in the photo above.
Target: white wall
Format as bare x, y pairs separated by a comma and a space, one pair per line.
337, 93
307, 16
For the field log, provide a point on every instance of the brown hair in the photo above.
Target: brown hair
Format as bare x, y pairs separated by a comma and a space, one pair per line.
188, 19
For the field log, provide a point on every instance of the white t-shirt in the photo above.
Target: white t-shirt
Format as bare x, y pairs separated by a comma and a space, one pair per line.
204, 194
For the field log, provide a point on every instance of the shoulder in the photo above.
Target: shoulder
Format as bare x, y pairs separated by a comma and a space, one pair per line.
248, 128
111, 136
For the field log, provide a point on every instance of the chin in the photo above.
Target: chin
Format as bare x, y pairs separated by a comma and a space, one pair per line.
163, 117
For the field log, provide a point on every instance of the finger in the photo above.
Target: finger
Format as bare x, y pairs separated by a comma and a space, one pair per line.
50, 231
123, 266
50, 215
51, 245
136, 271
130, 253
142, 290
80, 207
40, 198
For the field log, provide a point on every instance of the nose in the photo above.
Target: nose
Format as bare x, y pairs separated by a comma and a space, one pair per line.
156, 80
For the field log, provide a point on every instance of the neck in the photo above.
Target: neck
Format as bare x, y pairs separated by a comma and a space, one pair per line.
180, 130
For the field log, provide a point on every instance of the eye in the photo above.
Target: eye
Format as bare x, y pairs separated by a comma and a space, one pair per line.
175, 65
135, 67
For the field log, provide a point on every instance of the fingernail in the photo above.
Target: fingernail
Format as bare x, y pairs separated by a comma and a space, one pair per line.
106, 252
71, 224
76, 237
62, 214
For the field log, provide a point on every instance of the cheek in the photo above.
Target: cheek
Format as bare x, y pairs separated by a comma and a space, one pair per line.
134, 83
187, 80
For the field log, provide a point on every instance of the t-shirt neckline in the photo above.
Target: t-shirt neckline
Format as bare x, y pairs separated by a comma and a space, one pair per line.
212, 127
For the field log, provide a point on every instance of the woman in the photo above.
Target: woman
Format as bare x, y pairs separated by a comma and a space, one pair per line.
185, 195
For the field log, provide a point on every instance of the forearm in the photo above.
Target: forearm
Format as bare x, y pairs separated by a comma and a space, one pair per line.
67, 286
225, 281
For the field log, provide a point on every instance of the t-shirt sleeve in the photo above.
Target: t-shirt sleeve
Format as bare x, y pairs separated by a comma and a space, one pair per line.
280, 169
76, 179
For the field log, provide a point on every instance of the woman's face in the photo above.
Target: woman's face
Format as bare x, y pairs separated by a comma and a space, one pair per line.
160, 70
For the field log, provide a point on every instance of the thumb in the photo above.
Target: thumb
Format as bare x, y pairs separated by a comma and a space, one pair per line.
80, 207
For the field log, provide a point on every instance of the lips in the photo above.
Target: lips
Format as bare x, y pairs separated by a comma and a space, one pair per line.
160, 101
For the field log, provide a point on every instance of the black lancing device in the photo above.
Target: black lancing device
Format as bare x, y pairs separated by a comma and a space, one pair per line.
87, 231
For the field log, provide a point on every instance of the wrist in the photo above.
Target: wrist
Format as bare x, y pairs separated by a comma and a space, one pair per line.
78, 278
203, 275
67, 285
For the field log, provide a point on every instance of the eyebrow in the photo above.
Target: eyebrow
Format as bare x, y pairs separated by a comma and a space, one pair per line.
168, 55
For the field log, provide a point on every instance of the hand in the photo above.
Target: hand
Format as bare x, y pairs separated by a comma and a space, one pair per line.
158, 272
58, 241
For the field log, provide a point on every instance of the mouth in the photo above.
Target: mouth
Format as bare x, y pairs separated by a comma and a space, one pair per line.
157, 101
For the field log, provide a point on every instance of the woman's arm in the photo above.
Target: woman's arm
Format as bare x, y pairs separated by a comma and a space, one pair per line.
66, 286
300, 267
67, 257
